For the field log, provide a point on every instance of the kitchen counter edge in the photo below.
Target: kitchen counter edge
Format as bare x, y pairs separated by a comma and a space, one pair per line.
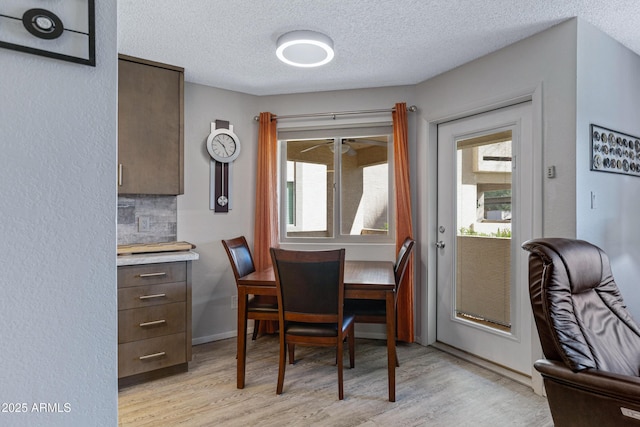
155, 258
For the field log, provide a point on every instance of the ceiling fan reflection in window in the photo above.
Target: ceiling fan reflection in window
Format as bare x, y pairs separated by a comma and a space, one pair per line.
349, 145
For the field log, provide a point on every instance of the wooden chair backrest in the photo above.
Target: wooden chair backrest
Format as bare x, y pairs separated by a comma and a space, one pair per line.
239, 256
310, 284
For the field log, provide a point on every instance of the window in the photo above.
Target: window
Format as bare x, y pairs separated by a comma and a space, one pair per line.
496, 203
336, 188
484, 167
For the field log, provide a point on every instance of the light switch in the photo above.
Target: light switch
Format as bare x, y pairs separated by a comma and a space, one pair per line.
594, 203
551, 172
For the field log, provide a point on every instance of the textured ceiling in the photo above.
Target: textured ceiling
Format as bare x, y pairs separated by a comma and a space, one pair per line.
230, 44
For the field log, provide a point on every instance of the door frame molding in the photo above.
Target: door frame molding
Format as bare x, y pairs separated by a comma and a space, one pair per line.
428, 180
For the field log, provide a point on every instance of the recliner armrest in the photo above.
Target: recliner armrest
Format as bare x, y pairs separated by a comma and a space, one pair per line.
617, 386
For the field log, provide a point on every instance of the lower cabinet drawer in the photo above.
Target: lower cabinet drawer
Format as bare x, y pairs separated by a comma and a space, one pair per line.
151, 274
147, 355
146, 296
149, 322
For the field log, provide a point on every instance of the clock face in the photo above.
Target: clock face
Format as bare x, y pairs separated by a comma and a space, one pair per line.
223, 145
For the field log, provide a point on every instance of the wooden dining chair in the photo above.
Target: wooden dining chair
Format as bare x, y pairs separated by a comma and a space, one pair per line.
375, 311
310, 289
259, 307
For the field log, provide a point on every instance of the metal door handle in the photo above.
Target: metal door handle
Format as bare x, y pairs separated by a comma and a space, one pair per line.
439, 244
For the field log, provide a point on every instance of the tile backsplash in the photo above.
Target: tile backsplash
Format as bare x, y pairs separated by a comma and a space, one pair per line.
158, 213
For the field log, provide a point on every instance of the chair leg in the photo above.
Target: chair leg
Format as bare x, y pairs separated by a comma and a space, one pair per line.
256, 326
292, 351
282, 363
352, 347
339, 354
396, 341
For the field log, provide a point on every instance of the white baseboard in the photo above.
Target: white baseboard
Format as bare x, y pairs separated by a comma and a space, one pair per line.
371, 335
215, 337
233, 334
506, 372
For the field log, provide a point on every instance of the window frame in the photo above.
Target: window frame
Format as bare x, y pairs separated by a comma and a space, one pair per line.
336, 134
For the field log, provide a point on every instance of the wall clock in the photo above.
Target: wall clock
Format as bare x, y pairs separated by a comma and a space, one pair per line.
223, 146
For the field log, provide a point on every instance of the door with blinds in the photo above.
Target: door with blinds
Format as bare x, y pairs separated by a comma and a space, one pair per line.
484, 213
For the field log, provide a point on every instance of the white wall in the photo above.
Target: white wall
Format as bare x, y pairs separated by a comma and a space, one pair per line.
608, 95
58, 284
350, 100
347, 100
213, 282
544, 65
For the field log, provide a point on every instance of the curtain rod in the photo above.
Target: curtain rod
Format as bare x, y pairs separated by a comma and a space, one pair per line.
411, 109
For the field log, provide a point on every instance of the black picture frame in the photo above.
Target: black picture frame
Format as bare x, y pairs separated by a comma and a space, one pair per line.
617, 153
86, 59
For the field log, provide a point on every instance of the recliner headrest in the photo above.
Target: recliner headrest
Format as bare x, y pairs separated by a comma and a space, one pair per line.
583, 263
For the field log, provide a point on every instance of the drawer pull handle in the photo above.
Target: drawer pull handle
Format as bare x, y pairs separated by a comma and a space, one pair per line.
143, 297
151, 356
153, 274
155, 322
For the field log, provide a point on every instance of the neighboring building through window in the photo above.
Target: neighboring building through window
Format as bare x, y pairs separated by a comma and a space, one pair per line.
484, 165
318, 202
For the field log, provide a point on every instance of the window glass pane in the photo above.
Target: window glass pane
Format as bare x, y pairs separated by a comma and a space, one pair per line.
483, 261
497, 205
336, 187
291, 202
309, 188
364, 185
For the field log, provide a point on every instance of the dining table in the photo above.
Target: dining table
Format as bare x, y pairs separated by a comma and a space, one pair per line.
362, 280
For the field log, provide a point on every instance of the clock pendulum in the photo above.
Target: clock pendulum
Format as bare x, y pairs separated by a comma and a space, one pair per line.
223, 146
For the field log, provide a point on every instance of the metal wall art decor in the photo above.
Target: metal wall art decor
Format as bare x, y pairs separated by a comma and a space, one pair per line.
614, 152
60, 29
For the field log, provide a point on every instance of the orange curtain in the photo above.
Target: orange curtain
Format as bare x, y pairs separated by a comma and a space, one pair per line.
265, 233
404, 225
266, 218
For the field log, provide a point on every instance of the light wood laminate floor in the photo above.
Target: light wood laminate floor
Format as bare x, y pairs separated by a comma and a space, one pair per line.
433, 388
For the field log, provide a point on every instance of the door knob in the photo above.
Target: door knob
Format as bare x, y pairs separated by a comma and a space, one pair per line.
439, 244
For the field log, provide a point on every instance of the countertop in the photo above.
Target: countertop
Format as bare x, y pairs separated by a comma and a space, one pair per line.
154, 258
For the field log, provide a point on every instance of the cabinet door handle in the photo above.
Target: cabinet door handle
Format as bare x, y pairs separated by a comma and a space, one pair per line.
153, 274
120, 174
151, 356
143, 297
155, 322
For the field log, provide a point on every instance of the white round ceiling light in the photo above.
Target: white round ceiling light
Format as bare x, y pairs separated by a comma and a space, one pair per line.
305, 49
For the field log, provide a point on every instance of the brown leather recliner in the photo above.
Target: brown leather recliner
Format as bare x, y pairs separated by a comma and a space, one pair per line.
590, 342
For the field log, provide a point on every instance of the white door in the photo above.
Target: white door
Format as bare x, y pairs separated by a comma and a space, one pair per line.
485, 212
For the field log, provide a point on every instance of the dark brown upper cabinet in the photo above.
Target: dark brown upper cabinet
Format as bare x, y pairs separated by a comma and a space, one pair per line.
150, 127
